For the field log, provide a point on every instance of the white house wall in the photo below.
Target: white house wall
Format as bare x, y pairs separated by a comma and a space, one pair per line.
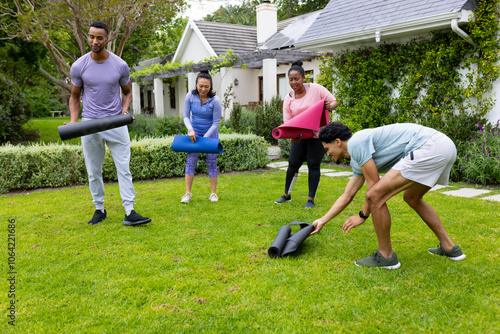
248, 86
194, 51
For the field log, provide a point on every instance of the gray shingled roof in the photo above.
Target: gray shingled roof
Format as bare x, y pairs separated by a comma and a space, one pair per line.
344, 16
222, 36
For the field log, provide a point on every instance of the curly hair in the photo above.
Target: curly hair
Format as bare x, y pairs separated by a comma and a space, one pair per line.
334, 130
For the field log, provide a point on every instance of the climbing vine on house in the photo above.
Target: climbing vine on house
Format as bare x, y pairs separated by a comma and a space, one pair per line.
224, 60
420, 81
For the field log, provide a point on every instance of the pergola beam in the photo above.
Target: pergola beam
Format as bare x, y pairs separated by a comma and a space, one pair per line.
253, 60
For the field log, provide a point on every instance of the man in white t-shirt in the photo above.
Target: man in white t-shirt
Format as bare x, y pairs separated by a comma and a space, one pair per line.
99, 75
414, 158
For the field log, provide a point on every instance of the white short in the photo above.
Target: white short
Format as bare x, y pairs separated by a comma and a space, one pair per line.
431, 163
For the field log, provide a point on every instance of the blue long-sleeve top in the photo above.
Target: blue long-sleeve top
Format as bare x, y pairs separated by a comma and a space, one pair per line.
203, 119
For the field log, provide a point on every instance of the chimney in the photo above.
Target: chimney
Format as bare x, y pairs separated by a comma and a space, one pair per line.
267, 21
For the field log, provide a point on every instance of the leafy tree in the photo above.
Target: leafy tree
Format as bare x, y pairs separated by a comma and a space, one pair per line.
292, 8
61, 26
13, 111
161, 43
243, 14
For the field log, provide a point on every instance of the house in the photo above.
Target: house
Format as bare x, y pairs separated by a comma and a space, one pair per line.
267, 52
346, 24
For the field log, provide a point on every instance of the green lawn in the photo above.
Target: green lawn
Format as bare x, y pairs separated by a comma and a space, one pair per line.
203, 267
48, 129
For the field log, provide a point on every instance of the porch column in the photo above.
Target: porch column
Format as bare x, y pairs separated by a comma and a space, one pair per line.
136, 98
158, 92
269, 79
192, 81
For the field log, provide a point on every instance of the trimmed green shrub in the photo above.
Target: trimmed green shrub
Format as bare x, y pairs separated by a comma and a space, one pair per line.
268, 116
242, 121
478, 160
146, 126
38, 166
14, 112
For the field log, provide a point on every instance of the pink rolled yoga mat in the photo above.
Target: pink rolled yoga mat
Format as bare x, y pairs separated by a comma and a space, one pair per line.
311, 119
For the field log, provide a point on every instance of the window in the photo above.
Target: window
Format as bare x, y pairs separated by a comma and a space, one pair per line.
261, 89
172, 97
281, 85
309, 76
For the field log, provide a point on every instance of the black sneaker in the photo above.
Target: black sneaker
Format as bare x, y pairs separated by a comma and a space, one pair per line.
98, 217
283, 199
309, 204
135, 219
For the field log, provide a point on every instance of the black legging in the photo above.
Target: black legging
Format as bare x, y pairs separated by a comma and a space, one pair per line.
313, 151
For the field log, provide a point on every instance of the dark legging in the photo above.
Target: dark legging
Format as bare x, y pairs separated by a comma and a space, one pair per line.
313, 151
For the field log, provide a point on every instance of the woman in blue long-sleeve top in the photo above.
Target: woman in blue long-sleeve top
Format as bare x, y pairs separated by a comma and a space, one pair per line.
202, 114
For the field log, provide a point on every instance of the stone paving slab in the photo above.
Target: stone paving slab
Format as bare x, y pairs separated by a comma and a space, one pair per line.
306, 170
337, 174
437, 187
492, 198
277, 164
466, 192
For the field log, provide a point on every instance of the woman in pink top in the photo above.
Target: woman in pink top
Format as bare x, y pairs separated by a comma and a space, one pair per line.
302, 96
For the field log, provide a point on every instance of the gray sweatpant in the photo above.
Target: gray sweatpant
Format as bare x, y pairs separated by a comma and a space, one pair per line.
94, 149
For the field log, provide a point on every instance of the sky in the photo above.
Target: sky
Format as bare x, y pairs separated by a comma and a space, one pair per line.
201, 8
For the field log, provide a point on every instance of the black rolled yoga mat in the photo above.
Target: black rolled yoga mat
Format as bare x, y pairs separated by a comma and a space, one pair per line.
286, 243
79, 129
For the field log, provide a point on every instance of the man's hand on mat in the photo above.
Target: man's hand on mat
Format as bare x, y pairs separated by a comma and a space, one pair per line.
192, 135
351, 223
318, 225
296, 140
126, 112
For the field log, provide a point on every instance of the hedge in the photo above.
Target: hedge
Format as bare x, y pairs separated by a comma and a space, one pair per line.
56, 165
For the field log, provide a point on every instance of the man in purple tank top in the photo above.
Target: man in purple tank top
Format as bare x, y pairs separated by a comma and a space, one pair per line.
96, 78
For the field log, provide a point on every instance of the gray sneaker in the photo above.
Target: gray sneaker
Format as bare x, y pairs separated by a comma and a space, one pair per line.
454, 254
283, 199
309, 204
377, 260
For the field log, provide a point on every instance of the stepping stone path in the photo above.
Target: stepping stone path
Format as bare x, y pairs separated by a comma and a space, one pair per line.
462, 192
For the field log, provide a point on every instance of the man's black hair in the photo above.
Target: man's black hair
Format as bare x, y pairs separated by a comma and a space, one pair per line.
100, 25
334, 130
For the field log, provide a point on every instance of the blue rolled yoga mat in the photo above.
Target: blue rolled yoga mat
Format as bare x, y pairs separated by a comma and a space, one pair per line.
202, 145
79, 129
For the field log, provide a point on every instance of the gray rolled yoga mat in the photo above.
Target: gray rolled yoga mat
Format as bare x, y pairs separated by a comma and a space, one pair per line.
79, 129
285, 242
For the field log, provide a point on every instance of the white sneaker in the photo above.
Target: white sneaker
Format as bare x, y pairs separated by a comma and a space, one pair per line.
213, 197
186, 198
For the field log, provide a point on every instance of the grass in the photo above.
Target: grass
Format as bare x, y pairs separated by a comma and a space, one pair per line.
47, 126
203, 267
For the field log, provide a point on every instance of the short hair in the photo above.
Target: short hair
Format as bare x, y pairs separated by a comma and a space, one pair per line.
204, 75
100, 25
297, 66
334, 130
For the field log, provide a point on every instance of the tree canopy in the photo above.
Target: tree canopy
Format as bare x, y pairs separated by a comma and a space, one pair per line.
61, 26
245, 13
